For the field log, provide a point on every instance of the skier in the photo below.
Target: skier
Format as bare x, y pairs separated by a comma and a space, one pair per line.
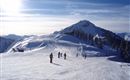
77, 55
85, 56
64, 55
51, 57
59, 54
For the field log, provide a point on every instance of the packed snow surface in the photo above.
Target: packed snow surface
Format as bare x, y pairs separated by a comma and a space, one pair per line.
34, 64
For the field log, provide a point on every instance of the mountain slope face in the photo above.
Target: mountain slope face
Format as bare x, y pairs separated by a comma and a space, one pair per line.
88, 32
87, 29
5, 43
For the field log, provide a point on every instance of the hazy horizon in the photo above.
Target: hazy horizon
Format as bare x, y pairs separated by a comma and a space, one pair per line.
28, 17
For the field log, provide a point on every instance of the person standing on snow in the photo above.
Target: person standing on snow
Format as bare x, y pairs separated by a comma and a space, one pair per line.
85, 56
64, 55
59, 54
51, 57
77, 55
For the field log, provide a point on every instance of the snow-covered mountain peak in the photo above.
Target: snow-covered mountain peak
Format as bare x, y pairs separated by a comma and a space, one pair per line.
84, 23
83, 26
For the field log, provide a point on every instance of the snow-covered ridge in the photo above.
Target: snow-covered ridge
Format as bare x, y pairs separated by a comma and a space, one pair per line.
13, 37
86, 27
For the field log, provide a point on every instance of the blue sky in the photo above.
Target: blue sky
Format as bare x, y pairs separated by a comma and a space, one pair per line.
45, 16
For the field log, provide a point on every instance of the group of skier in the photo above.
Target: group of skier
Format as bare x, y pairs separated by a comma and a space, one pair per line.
64, 55
59, 56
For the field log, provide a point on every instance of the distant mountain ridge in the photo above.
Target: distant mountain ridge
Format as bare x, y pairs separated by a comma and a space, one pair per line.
5, 43
126, 36
13, 37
